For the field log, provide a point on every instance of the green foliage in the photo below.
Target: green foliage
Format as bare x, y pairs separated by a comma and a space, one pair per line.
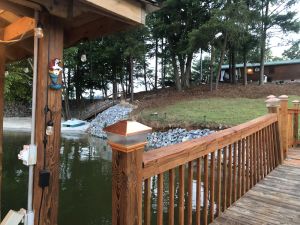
293, 52
18, 82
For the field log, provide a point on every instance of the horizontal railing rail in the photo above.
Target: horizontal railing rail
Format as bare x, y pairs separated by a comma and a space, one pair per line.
195, 181
224, 165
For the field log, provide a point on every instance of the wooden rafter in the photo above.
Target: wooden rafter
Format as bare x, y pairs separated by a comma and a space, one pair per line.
127, 9
15, 8
17, 29
8, 16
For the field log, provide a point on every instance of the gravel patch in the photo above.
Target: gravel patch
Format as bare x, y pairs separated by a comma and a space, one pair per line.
174, 136
109, 117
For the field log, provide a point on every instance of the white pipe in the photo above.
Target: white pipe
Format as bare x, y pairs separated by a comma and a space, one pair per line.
32, 141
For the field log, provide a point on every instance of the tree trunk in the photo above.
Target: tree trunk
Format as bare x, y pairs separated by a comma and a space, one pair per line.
115, 85
176, 72
156, 64
131, 79
230, 67
245, 69
212, 62
221, 61
162, 64
145, 74
263, 43
201, 66
188, 67
235, 80
66, 97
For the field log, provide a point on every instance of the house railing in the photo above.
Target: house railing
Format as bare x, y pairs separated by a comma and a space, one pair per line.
293, 124
194, 181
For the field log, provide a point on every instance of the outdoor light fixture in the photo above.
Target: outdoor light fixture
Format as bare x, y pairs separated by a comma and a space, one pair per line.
250, 71
38, 31
50, 128
125, 134
83, 58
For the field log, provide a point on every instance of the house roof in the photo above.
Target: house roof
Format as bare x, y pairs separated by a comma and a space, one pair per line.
273, 63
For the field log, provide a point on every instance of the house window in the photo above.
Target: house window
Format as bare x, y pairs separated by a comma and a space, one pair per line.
257, 69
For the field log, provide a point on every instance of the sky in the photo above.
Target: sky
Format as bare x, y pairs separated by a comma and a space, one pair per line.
279, 43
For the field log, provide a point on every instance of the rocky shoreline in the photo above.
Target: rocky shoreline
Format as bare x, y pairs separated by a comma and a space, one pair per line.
155, 139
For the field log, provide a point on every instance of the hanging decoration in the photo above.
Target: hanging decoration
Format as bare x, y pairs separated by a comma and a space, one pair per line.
55, 70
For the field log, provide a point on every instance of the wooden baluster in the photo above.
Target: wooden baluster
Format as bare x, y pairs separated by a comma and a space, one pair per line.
219, 182
267, 148
259, 171
239, 169
263, 152
272, 147
171, 196
198, 192
147, 202
229, 189
212, 186
224, 193
296, 104
251, 161
160, 190
234, 174
181, 195
243, 165
247, 163
268, 137
205, 210
255, 148
190, 194
278, 152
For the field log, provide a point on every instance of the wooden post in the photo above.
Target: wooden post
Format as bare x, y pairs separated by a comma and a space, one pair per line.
2, 78
284, 123
296, 104
127, 140
127, 185
273, 104
45, 201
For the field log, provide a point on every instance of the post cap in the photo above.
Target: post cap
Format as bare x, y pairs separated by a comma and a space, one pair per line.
296, 101
127, 135
283, 97
271, 96
272, 102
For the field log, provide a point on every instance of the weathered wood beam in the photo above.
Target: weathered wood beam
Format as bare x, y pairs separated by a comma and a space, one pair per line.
50, 47
9, 16
16, 9
28, 4
17, 29
2, 78
100, 27
126, 9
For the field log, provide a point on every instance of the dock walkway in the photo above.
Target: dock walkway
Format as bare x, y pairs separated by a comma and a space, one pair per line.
274, 200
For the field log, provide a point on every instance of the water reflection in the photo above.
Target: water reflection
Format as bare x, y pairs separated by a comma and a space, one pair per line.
85, 179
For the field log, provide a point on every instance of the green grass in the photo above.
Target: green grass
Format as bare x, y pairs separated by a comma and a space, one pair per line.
216, 111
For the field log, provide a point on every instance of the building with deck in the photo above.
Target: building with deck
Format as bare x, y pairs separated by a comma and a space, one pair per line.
285, 70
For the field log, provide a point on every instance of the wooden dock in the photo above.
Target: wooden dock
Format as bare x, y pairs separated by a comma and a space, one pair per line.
274, 200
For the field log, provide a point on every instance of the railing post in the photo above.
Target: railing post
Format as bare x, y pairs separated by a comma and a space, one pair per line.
296, 104
273, 103
284, 123
127, 140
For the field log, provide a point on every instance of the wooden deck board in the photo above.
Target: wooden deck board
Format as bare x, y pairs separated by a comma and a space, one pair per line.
274, 200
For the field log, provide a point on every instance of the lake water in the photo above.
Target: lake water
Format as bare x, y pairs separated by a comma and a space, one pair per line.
85, 179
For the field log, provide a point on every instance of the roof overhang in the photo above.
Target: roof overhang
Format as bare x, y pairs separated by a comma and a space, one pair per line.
82, 19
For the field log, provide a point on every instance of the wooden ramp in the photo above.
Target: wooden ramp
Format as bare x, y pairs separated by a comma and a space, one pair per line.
274, 200
98, 107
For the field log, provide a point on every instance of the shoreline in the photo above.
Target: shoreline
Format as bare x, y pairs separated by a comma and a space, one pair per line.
23, 124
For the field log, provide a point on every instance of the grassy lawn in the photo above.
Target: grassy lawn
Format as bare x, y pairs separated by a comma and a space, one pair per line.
211, 111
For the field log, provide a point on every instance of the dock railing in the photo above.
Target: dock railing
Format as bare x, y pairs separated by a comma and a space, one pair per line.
194, 181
